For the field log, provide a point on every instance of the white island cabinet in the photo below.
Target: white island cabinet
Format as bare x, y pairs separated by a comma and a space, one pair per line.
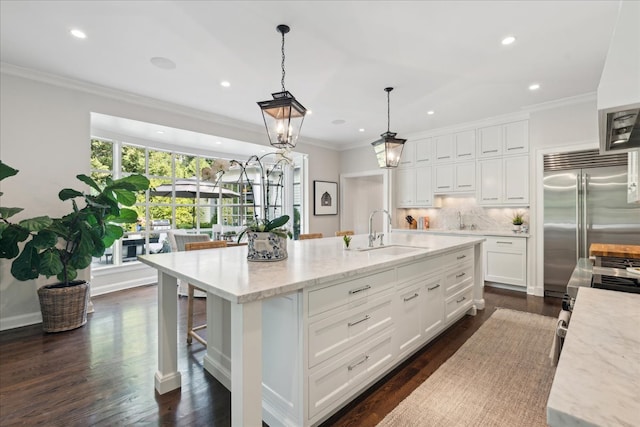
296, 340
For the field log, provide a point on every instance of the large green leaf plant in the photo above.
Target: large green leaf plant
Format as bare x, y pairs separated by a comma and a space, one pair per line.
63, 246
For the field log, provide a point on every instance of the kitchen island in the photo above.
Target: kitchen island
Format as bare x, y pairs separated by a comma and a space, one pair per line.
295, 340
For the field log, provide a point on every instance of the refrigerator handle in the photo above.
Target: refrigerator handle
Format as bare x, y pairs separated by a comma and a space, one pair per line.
583, 220
578, 213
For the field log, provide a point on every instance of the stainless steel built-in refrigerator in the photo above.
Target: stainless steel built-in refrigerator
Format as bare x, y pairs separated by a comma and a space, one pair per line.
585, 202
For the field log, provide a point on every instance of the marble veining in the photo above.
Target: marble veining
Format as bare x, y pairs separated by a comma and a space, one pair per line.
597, 381
228, 274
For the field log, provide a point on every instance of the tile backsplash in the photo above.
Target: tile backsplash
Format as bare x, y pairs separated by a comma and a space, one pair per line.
473, 216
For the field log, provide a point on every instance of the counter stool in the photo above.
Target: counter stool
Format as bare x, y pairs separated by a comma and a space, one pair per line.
345, 233
191, 330
310, 236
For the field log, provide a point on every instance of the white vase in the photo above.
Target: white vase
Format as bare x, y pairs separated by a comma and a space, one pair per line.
516, 228
266, 246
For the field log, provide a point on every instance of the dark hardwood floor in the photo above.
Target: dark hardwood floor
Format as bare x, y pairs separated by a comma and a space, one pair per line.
102, 374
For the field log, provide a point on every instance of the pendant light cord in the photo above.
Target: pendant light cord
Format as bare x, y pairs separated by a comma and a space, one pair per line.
283, 72
388, 112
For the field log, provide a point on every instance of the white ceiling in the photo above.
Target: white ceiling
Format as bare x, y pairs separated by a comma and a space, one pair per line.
444, 56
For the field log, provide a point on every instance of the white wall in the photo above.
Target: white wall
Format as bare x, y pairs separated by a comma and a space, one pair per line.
44, 132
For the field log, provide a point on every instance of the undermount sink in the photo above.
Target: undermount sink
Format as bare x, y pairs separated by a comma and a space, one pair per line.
389, 250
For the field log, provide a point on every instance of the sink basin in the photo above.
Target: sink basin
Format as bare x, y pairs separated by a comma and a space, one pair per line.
389, 250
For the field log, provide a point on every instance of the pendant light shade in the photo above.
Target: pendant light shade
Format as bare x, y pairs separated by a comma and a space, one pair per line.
388, 149
283, 115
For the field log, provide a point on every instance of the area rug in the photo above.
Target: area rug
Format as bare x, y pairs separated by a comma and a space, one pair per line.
500, 377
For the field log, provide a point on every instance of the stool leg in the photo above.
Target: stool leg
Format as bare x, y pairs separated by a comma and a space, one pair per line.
189, 313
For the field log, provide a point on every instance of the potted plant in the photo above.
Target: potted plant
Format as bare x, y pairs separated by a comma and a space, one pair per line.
44, 246
517, 220
266, 238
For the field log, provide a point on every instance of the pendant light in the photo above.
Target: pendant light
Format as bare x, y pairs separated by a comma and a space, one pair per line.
389, 148
283, 115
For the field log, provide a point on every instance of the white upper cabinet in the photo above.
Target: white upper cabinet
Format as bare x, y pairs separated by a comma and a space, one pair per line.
516, 180
406, 187
465, 176
454, 178
424, 190
465, 144
490, 141
443, 147
424, 151
443, 179
503, 181
407, 159
490, 181
506, 139
516, 137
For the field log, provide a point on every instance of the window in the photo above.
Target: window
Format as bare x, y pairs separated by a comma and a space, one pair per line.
179, 198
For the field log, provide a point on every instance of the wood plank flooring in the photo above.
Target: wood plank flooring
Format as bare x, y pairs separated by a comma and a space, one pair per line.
102, 374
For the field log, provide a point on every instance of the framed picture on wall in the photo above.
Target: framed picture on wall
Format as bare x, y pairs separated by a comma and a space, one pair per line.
325, 198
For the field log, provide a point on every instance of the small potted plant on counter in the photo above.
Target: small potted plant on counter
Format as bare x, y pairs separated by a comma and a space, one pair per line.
61, 247
347, 241
517, 220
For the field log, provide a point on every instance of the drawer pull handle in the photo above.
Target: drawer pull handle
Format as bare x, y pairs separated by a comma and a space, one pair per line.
460, 275
458, 301
515, 198
464, 154
505, 243
464, 185
515, 148
444, 157
411, 297
444, 186
489, 198
435, 287
366, 317
461, 257
490, 151
355, 291
352, 367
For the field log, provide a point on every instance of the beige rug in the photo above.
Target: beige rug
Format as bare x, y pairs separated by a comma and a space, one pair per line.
500, 377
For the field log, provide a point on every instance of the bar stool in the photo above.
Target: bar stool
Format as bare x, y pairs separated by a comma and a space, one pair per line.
191, 330
310, 236
345, 233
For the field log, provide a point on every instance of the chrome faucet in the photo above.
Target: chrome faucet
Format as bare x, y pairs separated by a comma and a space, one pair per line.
372, 234
460, 223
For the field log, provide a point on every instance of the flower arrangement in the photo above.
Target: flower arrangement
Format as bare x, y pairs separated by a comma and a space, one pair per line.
261, 223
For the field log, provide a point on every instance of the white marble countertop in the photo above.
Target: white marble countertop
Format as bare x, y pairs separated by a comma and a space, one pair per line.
464, 232
597, 381
228, 274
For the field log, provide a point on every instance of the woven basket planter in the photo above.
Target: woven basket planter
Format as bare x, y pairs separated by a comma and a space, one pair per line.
64, 307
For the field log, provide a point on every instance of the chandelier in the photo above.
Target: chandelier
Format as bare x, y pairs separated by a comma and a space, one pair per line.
388, 149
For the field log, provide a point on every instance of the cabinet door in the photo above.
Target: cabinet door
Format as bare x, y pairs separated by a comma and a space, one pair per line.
424, 190
516, 180
407, 159
408, 328
443, 176
406, 187
424, 151
490, 181
465, 179
444, 148
516, 137
465, 144
490, 141
433, 303
506, 260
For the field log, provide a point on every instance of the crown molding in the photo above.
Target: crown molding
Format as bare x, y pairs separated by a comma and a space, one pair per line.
562, 102
144, 101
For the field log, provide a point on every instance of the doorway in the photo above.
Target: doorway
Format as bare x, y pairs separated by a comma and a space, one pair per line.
362, 193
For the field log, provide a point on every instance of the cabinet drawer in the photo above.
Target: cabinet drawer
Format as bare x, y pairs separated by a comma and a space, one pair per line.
458, 303
455, 279
513, 243
334, 334
427, 267
353, 292
329, 384
460, 256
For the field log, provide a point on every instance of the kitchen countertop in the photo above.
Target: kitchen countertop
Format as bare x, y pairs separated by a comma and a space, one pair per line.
597, 381
310, 262
465, 232
620, 251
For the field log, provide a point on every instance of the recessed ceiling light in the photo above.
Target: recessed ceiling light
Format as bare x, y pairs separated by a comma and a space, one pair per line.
308, 112
361, 130
508, 40
164, 63
534, 86
218, 142
431, 112
160, 132
79, 34
225, 83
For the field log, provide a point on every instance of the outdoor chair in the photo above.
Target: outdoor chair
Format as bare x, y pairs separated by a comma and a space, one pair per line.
310, 236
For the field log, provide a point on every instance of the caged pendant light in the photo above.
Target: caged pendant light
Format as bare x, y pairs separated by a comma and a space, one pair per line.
283, 115
388, 149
